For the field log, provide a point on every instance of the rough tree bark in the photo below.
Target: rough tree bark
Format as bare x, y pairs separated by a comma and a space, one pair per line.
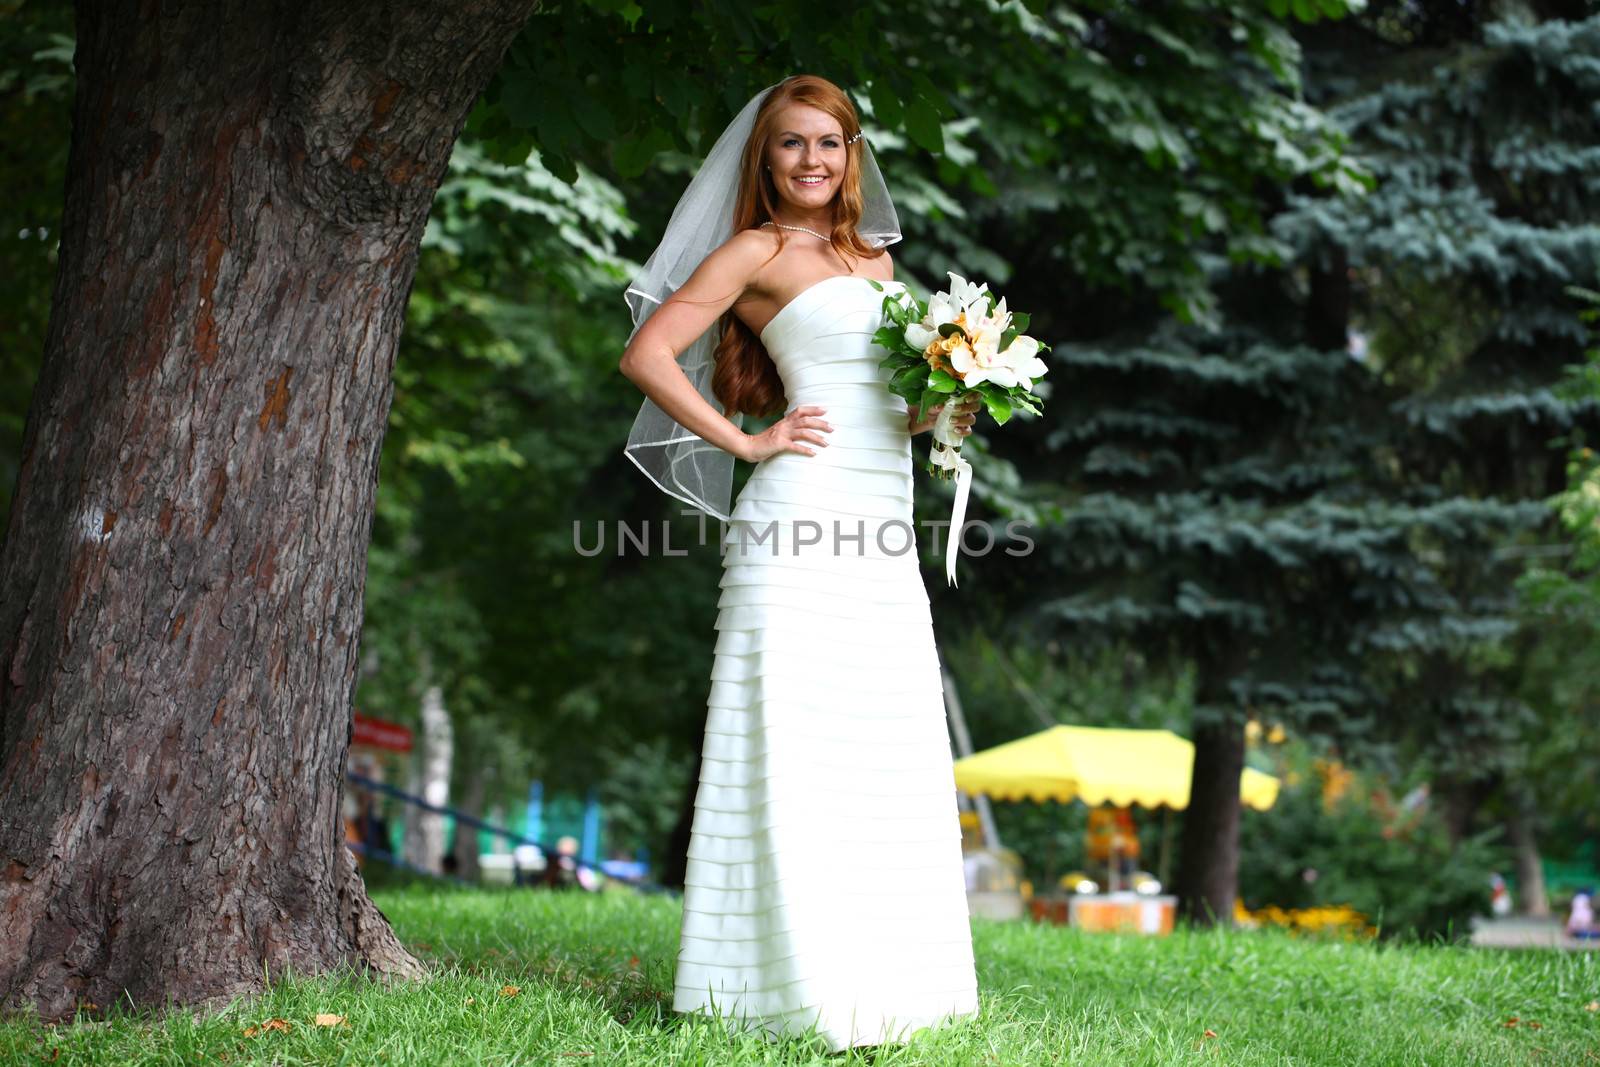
1208, 851
182, 577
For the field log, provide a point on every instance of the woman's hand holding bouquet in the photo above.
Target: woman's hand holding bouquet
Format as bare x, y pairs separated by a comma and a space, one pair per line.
960, 344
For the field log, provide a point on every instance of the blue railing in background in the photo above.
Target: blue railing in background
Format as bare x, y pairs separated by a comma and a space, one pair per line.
462, 818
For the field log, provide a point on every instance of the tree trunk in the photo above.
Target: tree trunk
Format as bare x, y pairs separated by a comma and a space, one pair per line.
465, 846
1208, 860
1459, 801
424, 845
181, 582
1533, 900
1327, 309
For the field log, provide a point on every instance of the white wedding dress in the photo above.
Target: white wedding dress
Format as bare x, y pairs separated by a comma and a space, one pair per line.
825, 890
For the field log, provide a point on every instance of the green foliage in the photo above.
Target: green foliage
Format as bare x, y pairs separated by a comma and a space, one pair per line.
1397, 867
1145, 136
642, 789
1560, 676
35, 118
1462, 258
1207, 513
1575, 589
1337, 534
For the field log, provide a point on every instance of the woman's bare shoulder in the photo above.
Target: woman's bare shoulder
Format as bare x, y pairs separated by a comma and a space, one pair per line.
755, 244
734, 263
881, 266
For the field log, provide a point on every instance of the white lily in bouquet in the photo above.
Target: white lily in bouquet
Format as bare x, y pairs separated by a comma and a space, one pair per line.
965, 342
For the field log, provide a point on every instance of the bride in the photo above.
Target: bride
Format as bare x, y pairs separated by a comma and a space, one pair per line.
824, 893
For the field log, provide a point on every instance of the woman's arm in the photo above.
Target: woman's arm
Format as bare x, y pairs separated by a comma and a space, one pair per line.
651, 359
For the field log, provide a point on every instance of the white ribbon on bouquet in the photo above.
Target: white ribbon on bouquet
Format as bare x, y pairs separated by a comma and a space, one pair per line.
949, 458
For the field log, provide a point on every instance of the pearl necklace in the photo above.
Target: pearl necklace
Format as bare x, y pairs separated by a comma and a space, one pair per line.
802, 229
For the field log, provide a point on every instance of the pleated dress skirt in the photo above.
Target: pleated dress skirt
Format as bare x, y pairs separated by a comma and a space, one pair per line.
824, 892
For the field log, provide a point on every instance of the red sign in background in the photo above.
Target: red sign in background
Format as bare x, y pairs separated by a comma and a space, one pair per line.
376, 733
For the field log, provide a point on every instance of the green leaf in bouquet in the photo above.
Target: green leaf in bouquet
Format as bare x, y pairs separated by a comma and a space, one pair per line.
890, 338
912, 376
948, 328
1027, 401
908, 382
999, 405
943, 382
1020, 320
875, 284
1007, 337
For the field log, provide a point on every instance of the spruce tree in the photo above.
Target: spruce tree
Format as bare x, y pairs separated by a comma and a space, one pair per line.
1320, 504
1458, 266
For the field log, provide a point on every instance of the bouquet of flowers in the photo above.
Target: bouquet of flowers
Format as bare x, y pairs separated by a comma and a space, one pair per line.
959, 344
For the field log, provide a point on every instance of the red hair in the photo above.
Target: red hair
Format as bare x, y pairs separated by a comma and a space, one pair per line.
745, 378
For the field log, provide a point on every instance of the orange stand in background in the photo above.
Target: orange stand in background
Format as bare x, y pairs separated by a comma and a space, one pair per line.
1126, 912
1105, 913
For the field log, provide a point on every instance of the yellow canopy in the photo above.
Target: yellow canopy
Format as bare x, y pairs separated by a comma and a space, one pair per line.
1098, 765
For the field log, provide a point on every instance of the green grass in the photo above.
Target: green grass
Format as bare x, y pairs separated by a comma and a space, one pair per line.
594, 978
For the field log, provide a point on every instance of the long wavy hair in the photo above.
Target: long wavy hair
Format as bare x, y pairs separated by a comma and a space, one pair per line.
744, 377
